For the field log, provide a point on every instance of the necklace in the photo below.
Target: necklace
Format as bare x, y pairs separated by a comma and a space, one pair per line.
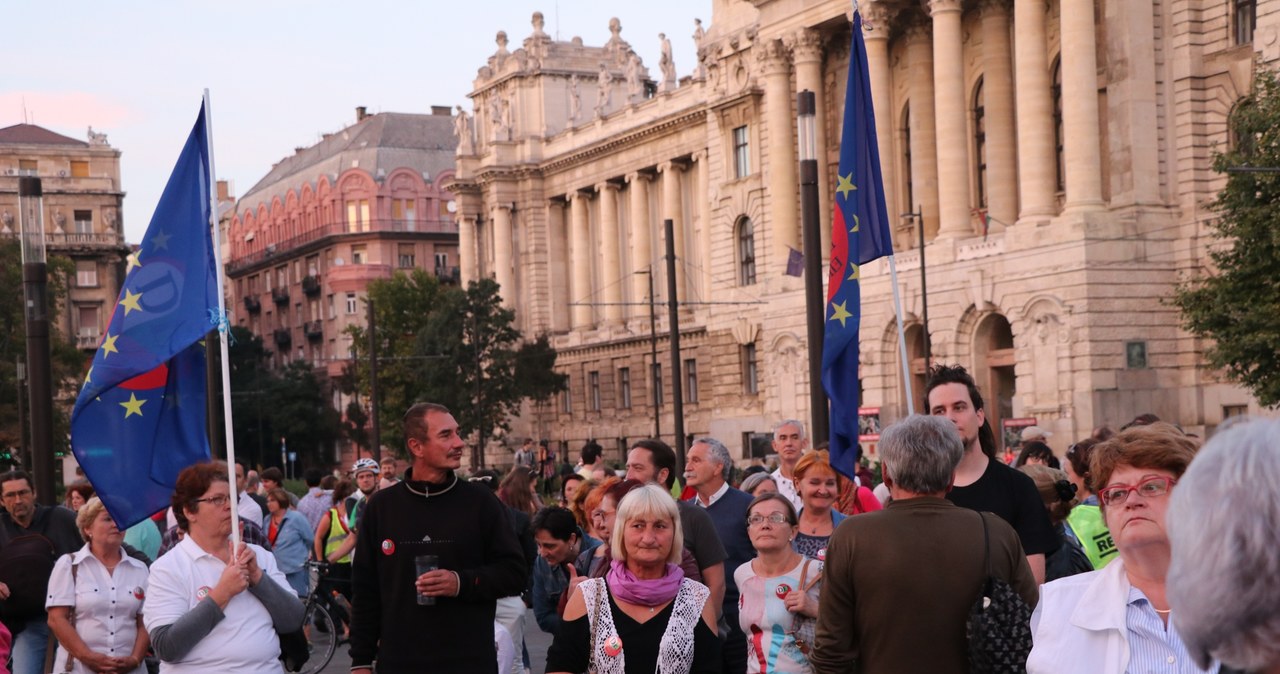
1164, 612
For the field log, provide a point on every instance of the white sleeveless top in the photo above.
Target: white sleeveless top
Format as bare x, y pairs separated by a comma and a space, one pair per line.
675, 654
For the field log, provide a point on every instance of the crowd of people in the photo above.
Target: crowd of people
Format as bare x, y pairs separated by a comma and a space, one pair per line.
1134, 551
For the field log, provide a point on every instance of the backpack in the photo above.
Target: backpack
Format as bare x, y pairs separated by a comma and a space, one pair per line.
26, 562
999, 624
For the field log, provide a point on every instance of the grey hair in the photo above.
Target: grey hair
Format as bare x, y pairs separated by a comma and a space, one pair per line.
719, 454
1222, 521
753, 480
921, 453
649, 500
789, 422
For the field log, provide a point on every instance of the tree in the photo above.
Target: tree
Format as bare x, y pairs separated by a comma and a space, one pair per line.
454, 346
1238, 305
68, 363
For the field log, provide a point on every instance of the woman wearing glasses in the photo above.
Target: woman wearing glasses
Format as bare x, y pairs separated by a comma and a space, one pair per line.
778, 589
1118, 619
211, 608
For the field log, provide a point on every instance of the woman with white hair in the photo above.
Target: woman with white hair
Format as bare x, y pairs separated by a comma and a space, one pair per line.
644, 615
1224, 578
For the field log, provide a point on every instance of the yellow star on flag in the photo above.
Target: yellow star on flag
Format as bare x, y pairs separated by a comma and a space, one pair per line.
134, 406
109, 345
130, 301
854, 275
133, 261
841, 313
846, 185
88, 376
161, 241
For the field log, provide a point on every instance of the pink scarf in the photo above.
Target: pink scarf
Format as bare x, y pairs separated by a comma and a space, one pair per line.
626, 587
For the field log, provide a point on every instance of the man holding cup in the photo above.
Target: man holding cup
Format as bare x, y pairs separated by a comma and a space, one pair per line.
435, 555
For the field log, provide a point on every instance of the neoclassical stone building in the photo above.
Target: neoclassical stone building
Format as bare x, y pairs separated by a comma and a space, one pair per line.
1056, 156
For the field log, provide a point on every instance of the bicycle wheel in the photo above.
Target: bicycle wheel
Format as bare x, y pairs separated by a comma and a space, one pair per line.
322, 637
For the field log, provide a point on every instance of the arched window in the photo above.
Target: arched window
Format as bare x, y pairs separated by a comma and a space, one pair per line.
1240, 136
1060, 161
980, 145
746, 252
908, 195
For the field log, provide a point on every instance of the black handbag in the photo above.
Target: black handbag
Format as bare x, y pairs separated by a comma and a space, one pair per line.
294, 650
999, 624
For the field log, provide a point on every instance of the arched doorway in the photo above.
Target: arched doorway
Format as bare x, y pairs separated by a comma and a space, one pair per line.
993, 360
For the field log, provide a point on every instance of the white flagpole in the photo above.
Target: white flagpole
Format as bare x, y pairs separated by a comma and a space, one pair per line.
228, 432
902, 335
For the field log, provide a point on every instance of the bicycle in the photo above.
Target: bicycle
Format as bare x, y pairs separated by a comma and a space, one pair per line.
323, 632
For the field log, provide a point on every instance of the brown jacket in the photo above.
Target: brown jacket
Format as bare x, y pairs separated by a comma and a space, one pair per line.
899, 584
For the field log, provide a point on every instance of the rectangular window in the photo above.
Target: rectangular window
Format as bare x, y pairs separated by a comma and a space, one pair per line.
333, 310
253, 284
750, 373
593, 383
402, 210
691, 380
86, 273
313, 265
1229, 411
27, 167
624, 387
87, 321
1246, 19
404, 257
566, 397
79, 169
655, 374
358, 215
351, 304
83, 222
359, 255
442, 261
282, 277
741, 153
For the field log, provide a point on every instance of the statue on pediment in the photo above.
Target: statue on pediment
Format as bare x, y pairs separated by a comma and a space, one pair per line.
666, 64
635, 88
462, 129
575, 100
604, 90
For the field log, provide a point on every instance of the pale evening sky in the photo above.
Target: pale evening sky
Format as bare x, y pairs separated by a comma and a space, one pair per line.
280, 73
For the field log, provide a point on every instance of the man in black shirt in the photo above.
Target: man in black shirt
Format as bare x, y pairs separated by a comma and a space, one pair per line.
479, 561
982, 483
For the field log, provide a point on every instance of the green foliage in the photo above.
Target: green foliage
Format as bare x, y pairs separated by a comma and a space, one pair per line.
1238, 306
68, 363
453, 346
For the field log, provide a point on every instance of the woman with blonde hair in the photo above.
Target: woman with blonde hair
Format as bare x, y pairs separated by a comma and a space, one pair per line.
644, 615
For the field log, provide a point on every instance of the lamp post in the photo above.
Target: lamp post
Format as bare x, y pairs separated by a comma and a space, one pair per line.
815, 307
35, 283
20, 372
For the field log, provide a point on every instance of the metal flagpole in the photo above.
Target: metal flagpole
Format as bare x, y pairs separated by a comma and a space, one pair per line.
223, 327
902, 335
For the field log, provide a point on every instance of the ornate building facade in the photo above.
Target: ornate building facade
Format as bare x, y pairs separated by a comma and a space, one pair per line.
303, 244
82, 219
1053, 156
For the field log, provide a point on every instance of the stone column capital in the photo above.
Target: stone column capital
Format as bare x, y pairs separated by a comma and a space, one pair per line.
575, 195
607, 186
774, 58
806, 45
937, 7
638, 177
670, 167
875, 21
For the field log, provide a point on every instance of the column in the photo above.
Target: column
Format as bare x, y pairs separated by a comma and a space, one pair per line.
997, 80
580, 294
611, 279
951, 108
1080, 127
877, 42
1037, 161
702, 197
641, 231
503, 271
467, 249
782, 172
807, 51
672, 208
558, 265
924, 157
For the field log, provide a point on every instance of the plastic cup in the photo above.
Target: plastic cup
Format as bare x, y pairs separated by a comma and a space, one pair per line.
423, 564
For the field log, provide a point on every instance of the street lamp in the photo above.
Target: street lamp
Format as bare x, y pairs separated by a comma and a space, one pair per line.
35, 283
815, 307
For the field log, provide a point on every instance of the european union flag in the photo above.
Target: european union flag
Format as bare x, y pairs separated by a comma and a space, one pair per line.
140, 417
859, 234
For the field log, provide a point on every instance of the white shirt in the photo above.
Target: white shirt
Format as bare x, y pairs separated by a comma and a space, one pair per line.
248, 508
787, 488
105, 605
244, 641
724, 489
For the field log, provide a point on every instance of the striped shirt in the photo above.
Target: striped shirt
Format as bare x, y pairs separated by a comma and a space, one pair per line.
1153, 647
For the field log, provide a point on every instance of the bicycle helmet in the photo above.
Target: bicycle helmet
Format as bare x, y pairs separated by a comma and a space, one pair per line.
365, 464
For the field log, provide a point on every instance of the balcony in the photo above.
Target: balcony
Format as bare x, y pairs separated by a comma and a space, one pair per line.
313, 330
283, 337
280, 295
57, 241
311, 285
252, 304
88, 338
446, 227
451, 275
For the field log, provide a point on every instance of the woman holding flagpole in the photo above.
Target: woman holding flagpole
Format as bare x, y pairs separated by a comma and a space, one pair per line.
214, 605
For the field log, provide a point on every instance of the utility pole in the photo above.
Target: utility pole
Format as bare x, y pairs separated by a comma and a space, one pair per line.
673, 311
375, 441
653, 356
815, 303
35, 285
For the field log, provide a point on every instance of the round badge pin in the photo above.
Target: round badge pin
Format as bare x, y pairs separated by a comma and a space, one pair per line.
782, 591
388, 547
139, 593
822, 555
203, 592
613, 646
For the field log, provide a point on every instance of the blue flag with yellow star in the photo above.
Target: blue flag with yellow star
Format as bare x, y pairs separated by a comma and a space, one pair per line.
859, 234
140, 417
